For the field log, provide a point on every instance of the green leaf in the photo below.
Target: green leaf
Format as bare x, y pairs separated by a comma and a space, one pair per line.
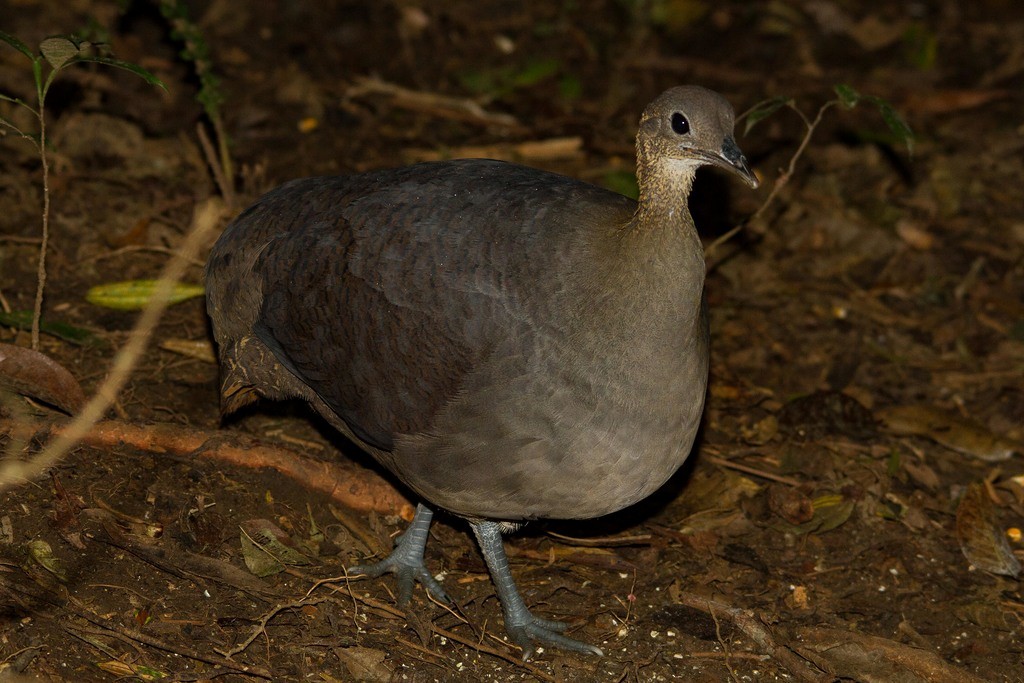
896, 123
121, 64
132, 295
58, 50
763, 110
535, 72
848, 96
893, 465
22, 320
677, 15
570, 88
18, 45
478, 82
922, 47
830, 512
37, 74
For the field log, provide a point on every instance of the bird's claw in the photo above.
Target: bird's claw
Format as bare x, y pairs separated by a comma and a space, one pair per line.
407, 573
542, 631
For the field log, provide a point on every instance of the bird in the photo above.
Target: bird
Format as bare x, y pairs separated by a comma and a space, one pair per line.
510, 343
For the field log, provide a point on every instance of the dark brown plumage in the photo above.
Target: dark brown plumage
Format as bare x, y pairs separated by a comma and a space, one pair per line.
510, 343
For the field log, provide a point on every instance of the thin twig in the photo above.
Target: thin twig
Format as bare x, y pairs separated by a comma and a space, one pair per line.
37, 308
227, 168
206, 218
437, 630
454, 108
783, 178
80, 611
132, 248
262, 627
752, 626
753, 471
216, 165
721, 641
603, 541
72, 605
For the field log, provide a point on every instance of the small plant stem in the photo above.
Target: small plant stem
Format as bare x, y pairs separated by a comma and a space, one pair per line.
37, 311
783, 178
215, 161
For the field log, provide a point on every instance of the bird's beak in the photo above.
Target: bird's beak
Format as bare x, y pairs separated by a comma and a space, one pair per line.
732, 159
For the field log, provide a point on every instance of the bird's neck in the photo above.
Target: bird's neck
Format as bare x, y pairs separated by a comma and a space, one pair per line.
661, 231
664, 190
659, 257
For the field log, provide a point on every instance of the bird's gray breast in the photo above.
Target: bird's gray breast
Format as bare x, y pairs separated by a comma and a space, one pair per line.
562, 426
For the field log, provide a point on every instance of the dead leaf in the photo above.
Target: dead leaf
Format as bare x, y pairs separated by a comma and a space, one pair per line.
40, 551
950, 430
945, 101
914, 235
923, 475
200, 349
826, 413
38, 376
128, 670
981, 539
790, 504
588, 557
798, 599
267, 549
872, 33
761, 432
366, 664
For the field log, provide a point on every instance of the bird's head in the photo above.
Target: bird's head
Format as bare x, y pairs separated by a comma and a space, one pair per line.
690, 126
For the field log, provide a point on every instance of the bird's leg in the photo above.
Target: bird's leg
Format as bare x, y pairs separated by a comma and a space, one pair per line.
406, 560
522, 626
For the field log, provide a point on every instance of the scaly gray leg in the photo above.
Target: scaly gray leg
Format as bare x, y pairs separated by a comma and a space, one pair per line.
406, 560
521, 625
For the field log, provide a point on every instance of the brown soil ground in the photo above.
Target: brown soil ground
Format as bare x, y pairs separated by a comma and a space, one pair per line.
821, 531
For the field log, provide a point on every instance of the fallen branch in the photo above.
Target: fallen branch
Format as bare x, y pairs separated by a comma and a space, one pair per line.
751, 625
345, 482
841, 653
434, 104
871, 658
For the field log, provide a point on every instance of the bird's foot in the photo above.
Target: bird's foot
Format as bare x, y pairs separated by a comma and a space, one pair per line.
406, 562
526, 630
407, 571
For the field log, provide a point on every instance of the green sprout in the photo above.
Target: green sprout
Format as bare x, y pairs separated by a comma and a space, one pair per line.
55, 54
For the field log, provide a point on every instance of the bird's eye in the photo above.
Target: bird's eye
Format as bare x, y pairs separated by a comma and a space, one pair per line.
679, 124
